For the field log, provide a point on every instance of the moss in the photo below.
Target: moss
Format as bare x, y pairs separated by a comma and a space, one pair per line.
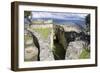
85, 54
44, 32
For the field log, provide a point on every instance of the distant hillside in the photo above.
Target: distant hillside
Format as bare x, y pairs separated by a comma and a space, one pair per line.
61, 18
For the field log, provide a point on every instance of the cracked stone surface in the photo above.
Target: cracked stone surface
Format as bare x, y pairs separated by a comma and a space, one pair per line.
74, 49
45, 49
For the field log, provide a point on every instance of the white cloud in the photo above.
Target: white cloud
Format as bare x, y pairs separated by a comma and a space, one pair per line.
72, 16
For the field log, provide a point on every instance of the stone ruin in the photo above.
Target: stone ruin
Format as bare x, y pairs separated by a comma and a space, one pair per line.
72, 43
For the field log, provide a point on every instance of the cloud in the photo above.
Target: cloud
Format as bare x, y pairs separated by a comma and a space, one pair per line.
56, 15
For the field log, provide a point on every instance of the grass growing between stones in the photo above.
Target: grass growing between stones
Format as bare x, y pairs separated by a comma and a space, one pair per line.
85, 54
44, 32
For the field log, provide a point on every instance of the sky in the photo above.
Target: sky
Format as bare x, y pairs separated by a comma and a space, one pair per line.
59, 15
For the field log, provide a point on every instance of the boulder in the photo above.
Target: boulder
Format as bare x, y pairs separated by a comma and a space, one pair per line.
45, 50
74, 49
31, 53
59, 36
31, 50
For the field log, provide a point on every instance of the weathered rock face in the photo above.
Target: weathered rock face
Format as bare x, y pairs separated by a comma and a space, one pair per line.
31, 53
69, 28
74, 41
59, 43
31, 50
74, 49
77, 42
67, 44
46, 53
59, 35
45, 50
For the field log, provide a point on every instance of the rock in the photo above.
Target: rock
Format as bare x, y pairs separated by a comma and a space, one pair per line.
31, 50
74, 49
46, 53
72, 39
59, 36
31, 53
72, 27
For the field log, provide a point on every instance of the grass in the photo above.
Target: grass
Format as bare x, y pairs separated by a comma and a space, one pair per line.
85, 54
44, 32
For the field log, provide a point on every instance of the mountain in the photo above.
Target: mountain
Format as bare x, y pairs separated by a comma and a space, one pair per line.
59, 21
61, 17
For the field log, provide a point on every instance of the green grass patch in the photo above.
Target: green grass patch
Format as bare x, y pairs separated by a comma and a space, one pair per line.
44, 32
85, 54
